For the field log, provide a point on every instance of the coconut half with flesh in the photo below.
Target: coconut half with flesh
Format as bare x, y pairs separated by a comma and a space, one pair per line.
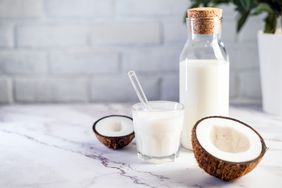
114, 131
226, 148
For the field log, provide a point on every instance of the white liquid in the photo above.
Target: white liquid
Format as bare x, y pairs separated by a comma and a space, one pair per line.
158, 133
204, 91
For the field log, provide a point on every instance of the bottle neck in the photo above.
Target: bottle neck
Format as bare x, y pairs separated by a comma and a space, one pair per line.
204, 29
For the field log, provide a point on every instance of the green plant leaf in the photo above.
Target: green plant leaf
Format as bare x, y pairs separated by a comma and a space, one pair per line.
195, 3
206, 3
271, 18
262, 7
218, 2
270, 23
242, 20
246, 4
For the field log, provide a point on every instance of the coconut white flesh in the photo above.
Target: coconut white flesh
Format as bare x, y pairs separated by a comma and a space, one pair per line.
228, 140
114, 126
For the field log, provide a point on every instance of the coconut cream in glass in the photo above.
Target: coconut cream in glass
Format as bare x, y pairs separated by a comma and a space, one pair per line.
158, 130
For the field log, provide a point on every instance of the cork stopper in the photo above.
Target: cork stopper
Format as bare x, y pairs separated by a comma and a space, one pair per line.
205, 20
204, 12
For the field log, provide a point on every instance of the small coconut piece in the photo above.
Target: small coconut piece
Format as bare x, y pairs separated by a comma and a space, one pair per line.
114, 131
226, 148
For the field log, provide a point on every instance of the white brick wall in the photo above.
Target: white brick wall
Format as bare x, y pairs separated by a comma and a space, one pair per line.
23, 62
6, 36
149, 7
50, 90
79, 8
126, 33
170, 87
89, 61
80, 50
174, 31
21, 8
51, 35
155, 59
250, 85
118, 88
6, 91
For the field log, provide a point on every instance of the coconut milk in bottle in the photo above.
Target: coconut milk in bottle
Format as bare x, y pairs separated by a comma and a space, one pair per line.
204, 70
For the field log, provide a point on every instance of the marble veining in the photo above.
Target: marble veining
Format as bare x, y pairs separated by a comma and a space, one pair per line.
54, 146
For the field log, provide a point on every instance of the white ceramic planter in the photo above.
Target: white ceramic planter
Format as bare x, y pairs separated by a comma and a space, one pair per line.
270, 56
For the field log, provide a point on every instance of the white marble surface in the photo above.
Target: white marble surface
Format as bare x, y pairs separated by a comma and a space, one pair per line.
54, 146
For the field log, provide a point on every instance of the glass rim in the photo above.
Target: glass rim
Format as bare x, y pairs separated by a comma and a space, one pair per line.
180, 106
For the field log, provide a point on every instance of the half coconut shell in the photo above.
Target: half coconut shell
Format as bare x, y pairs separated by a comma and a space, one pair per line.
220, 168
113, 142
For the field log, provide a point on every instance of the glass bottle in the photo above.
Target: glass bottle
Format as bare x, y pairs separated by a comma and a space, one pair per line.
203, 70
